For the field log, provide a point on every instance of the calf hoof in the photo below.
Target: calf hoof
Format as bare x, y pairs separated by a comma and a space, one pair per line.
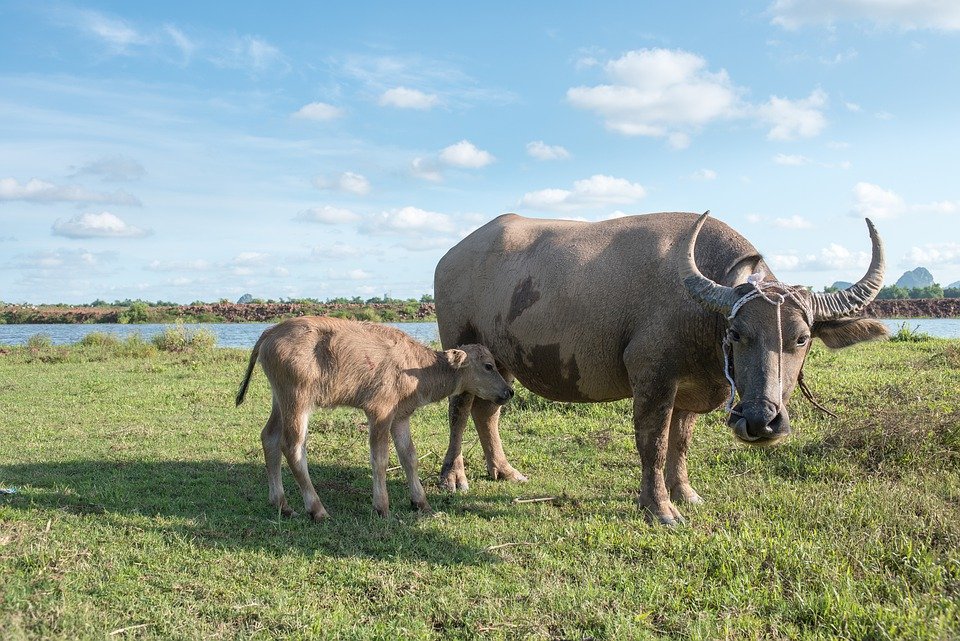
319, 514
421, 507
683, 493
382, 512
284, 510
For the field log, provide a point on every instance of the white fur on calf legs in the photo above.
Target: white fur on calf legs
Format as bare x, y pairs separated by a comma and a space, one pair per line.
379, 457
407, 454
270, 437
295, 448
452, 475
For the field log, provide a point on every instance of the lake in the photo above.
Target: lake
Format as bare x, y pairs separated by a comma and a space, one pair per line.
246, 334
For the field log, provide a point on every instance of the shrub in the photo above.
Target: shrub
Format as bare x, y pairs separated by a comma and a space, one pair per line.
99, 339
38, 342
908, 334
179, 339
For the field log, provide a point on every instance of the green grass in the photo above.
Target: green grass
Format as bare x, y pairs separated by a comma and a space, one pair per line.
141, 507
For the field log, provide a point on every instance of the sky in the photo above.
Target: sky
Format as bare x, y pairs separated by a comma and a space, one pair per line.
176, 151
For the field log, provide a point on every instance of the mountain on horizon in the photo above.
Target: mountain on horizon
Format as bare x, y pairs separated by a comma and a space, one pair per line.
919, 277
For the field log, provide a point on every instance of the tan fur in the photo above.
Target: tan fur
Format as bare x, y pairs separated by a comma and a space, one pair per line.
316, 362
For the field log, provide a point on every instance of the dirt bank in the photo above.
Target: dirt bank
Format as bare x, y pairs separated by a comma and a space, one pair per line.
914, 308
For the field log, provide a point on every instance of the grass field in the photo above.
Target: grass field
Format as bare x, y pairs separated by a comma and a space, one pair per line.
140, 512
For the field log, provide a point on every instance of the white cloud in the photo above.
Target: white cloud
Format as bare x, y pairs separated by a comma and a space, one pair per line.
327, 215
319, 111
336, 251
358, 274
938, 254
35, 190
836, 144
884, 115
832, 257
251, 53
115, 32
875, 202
941, 207
465, 154
794, 222
65, 264
408, 221
852, 106
426, 168
704, 174
542, 151
941, 15
347, 181
250, 258
102, 225
792, 119
405, 98
659, 93
793, 160
596, 191
178, 265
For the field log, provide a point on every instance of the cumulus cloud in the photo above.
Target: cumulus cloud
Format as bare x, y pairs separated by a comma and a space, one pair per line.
178, 265
793, 160
793, 222
542, 151
596, 191
792, 119
250, 53
327, 215
405, 98
410, 221
40, 191
65, 264
112, 169
426, 168
832, 257
659, 93
318, 111
102, 225
938, 15
939, 254
465, 154
347, 181
704, 174
873, 201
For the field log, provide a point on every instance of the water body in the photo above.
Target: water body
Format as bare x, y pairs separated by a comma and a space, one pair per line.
245, 334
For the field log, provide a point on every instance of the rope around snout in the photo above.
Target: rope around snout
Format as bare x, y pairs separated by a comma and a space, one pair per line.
777, 299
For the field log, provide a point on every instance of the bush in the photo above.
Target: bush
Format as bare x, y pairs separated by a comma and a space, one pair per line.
39, 342
179, 339
908, 334
99, 339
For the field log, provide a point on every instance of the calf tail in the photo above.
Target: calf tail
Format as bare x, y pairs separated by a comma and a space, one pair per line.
246, 379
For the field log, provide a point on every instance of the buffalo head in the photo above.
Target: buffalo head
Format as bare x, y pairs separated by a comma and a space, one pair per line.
770, 327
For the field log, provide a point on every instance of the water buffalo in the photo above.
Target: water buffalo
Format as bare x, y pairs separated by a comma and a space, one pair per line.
328, 362
648, 307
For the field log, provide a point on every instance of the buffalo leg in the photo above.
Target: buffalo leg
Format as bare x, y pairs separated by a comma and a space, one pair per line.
675, 473
407, 454
652, 407
452, 475
270, 437
486, 417
379, 457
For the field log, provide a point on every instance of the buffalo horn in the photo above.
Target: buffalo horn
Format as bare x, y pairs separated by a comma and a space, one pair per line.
854, 298
711, 295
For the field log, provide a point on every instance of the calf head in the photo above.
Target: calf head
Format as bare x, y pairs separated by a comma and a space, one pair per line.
769, 332
479, 374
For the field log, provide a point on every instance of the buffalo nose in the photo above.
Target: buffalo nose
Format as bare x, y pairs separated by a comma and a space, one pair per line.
760, 420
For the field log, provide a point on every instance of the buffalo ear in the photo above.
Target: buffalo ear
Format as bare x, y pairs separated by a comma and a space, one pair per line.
846, 332
456, 357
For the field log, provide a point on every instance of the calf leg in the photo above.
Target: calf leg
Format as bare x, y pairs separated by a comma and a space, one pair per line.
681, 431
486, 417
652, 407
379, 457
270, 437
408, 459
452, 475
295, 448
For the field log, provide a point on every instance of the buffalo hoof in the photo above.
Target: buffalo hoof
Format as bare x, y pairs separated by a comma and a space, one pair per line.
662, 514
453, 477
319, 515
284, 510
423, 508
683, 493
383, 512
506, 472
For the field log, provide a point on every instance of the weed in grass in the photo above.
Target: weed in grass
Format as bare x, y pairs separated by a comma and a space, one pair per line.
180, 339
908, 334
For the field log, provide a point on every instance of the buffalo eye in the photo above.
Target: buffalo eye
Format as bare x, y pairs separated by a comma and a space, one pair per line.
488, 367
735, 336
803, 340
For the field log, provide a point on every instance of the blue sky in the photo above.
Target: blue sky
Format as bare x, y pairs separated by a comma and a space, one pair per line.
180, 152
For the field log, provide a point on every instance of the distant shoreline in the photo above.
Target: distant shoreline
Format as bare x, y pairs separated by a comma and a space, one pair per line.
398, 312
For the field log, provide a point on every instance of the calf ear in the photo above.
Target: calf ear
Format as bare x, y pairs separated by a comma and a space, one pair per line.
844, 333
456, 357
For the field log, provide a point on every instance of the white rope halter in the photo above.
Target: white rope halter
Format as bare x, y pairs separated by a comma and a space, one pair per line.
777, 299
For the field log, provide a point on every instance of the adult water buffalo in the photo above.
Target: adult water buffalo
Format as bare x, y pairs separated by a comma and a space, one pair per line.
648, 307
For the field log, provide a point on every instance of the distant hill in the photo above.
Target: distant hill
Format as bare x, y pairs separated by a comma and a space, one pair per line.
955, 284
841, 284
918, 277
245, 299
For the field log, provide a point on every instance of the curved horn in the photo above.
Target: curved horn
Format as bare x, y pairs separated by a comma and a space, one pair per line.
854, 298
711, 295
